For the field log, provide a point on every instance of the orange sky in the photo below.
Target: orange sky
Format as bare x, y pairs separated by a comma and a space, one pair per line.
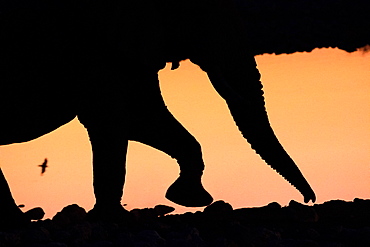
319, 107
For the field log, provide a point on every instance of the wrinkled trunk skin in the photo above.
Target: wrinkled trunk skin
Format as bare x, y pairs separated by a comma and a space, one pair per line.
222, 52
248, 110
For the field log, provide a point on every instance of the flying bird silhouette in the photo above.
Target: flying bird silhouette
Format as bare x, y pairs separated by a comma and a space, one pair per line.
43, 166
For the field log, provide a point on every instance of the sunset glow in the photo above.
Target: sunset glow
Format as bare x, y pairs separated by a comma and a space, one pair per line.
319, 107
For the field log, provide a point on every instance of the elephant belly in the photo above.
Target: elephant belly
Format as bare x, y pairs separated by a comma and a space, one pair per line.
26, 118
38, 76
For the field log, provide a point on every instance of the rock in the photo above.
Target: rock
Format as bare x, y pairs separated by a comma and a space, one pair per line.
163, 209
274, 205
218, 207
151, 213
298, 243
356, 237
189, 236
10, 239
56, 244
331, 224
103, 231
237, 234
81, 231
261, 215
124, 238
36, 235
101, 244
301, 213
145, 214
149, 238
312, 234
35, 213
219, 242
62, 236
263, 236
71, 214
361, 213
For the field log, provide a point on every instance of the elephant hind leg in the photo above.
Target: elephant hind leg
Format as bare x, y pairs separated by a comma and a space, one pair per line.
166, 134
152, 124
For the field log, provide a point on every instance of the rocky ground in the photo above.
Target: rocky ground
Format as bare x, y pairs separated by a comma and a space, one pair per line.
331, 224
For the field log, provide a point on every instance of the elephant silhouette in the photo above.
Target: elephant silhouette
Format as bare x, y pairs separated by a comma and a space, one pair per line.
99, 61
56, 67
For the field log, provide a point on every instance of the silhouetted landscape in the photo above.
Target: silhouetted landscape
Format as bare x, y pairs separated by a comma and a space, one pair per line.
333, 223
92, 48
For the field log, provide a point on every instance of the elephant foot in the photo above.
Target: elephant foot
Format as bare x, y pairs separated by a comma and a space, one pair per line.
188, 191
109, 213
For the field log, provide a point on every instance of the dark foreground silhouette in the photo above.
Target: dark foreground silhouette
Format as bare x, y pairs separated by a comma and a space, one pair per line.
333, 223
62, 59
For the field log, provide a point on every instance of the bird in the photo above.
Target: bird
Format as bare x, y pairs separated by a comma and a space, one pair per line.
43, 166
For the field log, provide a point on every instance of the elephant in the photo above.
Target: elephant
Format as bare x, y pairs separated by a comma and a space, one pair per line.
106, 66
55, 69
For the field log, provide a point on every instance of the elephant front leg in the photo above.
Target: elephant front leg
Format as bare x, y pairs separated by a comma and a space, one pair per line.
10, 214
109, 147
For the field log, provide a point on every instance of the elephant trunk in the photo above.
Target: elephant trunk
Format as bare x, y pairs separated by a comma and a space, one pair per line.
255, 127
240, 86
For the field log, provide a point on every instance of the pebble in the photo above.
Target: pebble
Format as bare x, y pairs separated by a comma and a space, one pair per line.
331, 224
